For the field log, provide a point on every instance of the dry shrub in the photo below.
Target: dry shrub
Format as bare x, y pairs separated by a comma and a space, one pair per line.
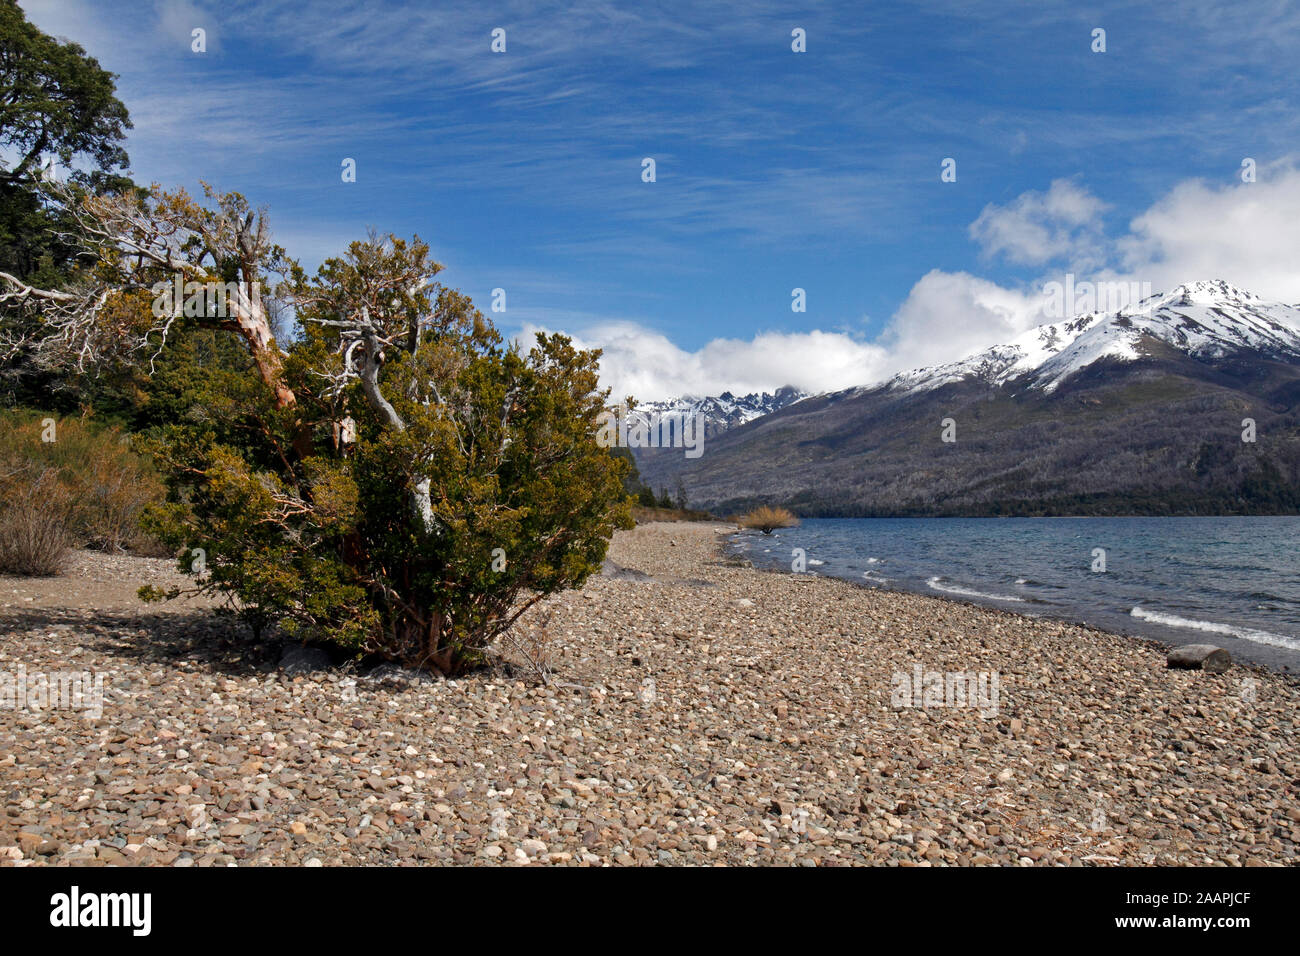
766, 518
530, 644
112, 488
99, 487
35, 536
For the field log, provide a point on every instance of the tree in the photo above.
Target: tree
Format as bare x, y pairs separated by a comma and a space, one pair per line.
474, 487
56, 105
467, 485
632, 484
55, 101
138, 244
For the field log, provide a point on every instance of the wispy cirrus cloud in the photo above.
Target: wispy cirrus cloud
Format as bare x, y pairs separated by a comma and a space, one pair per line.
1246, 233
775, 170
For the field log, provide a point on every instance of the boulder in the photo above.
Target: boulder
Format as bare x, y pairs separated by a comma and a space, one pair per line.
1204, 657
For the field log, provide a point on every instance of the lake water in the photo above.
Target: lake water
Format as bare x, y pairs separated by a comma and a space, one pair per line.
1234, 582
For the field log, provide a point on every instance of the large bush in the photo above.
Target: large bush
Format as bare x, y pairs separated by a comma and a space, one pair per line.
394, 479
474, 485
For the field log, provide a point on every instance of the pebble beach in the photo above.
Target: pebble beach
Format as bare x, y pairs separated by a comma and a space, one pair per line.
697, 712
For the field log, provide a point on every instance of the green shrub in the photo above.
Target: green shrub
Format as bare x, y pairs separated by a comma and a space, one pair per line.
475, 485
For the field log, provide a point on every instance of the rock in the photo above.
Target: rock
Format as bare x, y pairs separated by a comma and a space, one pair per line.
1206, 657
300, 659
399, 675
771, 698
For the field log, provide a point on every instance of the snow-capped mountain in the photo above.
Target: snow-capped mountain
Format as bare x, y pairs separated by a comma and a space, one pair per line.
1207, 320
726, 410
1149, 409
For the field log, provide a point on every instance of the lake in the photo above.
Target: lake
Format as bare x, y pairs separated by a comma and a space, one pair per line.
1231, 581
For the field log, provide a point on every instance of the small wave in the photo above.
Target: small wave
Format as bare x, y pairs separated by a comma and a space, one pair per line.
937, 585
1244, 633
1269, 596
814, 561
873, 560
1035, 583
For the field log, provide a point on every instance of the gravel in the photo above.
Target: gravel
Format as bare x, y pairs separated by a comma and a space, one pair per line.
699, 713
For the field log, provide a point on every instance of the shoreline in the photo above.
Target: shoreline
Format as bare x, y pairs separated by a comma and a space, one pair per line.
710, 714
1245, 652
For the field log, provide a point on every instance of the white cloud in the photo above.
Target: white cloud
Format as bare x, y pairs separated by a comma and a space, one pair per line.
949, 315
643, 363
177, 19
1038, 227
1245, 233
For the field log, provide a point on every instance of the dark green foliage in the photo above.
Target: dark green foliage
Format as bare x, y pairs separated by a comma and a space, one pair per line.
632, 484
57, 101
59, 104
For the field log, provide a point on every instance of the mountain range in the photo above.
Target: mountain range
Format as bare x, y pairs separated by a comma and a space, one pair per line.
1187, 402
724, 411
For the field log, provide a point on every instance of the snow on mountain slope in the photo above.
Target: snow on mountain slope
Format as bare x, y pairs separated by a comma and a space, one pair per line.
1208, 319
726, 410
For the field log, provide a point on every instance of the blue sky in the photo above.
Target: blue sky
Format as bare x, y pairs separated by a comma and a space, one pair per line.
775, 169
